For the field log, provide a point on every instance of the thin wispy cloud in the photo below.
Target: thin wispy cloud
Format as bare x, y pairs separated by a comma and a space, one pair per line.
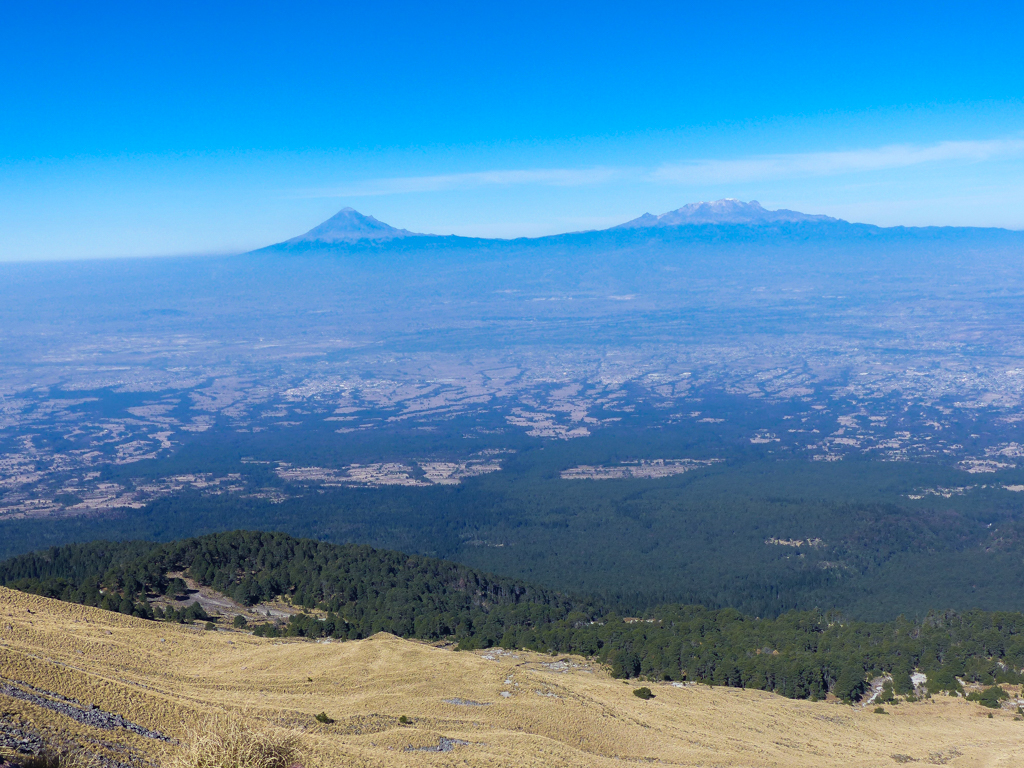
550, 177
772, 167
699, 172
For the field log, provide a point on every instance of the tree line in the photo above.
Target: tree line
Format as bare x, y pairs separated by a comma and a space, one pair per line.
351, 592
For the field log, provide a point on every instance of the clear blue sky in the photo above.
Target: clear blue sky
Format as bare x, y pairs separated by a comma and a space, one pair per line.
160, 128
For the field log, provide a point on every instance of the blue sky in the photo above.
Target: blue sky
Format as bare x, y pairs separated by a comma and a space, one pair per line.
145, 128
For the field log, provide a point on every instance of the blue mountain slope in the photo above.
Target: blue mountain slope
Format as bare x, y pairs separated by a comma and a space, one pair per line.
663, 253
727, 211
716, 223
348, 226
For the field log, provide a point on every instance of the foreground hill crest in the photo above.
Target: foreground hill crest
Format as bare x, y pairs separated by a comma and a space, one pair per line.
77, 673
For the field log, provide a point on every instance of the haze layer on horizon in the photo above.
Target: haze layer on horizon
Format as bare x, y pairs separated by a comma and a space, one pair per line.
128, 130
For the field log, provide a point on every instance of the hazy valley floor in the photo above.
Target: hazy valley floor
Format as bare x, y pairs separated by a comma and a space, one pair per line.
164, 677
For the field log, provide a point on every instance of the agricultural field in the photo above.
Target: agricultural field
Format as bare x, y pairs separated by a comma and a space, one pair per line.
484, 708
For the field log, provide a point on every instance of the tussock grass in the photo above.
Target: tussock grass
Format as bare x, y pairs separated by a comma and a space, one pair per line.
250, 703
231, 742
64, 757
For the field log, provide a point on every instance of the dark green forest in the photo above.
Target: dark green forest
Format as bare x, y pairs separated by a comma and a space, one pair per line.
882, 548
696, 538
353, 591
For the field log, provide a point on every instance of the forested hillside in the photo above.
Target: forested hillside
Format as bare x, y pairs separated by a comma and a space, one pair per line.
701, 537
351, 592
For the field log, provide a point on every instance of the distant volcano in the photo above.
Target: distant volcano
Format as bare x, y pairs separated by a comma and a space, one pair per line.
349, 225
727, 211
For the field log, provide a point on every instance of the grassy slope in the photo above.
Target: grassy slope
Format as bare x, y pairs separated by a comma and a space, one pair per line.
162, 675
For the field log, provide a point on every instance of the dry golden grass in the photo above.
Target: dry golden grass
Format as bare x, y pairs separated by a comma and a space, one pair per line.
60, 758
225, 741
169, 678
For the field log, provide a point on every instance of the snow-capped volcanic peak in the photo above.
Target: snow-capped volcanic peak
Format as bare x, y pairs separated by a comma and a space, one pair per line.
349, 225
726, 211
